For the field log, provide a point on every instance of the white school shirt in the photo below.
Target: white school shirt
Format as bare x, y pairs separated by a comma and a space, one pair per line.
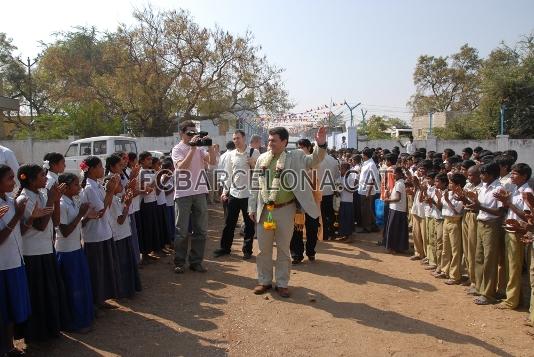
410, 148
35, 242
517, 200
399, 189
446, 210
120, 231
368, 173
238, 172
429, 208
136, 201
69, 210
349, 185
95, 230
435, 213
486, 199
51, 179
11, 250
161, 198
148, 177
418, 208
506, 182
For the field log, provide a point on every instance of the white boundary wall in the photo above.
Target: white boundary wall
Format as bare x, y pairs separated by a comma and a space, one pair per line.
33, 150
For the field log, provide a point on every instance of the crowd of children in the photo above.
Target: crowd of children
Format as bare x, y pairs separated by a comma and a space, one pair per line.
470, 216
69, 243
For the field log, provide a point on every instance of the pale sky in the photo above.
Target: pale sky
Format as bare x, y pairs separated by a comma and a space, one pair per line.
361, 51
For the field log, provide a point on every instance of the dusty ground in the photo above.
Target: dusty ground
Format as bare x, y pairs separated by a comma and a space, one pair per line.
354, 300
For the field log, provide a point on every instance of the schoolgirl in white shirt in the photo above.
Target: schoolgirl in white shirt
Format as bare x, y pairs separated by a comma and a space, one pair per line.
149, 238
161, 201
126, 269
132, 170
54, 164
70, 255
15, 307
396, 228
50, 311
168, 183
96, 233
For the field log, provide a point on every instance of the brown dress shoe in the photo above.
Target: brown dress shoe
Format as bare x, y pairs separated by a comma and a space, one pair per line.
283, 292
261, 289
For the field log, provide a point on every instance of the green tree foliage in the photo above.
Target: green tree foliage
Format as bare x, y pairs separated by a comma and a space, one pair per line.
376, 127
479, 87
161, 69
447, 83
508, 79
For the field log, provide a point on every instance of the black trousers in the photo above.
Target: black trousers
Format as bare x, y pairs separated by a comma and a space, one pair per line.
327, 211
236, 205
386, 218
297, 243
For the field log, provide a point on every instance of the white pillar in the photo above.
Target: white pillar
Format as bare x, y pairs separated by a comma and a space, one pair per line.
503, 142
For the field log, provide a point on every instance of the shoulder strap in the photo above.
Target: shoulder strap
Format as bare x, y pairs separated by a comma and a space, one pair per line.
251, 152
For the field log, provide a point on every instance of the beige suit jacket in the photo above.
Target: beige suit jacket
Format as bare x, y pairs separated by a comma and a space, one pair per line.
299, 162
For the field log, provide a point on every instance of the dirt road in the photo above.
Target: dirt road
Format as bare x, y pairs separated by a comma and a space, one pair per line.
354, 300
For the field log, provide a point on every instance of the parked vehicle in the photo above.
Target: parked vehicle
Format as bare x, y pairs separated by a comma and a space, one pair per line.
101, 146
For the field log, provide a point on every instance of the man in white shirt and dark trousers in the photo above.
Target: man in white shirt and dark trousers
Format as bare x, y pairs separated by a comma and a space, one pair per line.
328, 174
368, 186
236, 193
410, 146
230, 146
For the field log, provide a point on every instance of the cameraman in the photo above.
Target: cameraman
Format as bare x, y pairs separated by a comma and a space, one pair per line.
190, 196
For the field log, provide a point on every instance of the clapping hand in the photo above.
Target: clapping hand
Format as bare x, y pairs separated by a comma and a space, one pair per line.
439, 194
41, 212
20, 207
131, 184
112, 183
503, 196
135, 171
92, 214
528, 197
84, 208
459, 193
3, 210
56, 191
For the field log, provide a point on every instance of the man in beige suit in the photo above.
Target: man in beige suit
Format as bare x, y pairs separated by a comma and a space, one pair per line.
281, 178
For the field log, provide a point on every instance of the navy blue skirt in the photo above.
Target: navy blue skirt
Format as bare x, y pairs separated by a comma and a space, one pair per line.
346, 218
169, 210
150, 237
162, 225
396, 231
15, 306
75, 272
135, 239
126, 268
50, 311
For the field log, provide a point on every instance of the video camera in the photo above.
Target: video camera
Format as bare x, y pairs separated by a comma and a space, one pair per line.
202, 141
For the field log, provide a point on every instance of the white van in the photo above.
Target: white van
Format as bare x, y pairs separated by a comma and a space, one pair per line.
101, 146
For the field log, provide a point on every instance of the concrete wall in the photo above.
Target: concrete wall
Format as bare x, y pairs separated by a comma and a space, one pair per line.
34, 150
420, 124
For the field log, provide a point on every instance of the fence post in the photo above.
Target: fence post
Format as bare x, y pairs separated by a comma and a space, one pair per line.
503, 142
431, 143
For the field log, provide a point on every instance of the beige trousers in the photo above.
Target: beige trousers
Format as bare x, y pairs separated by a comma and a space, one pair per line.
487, 256
451, 258
469, 243
284, 218
513, 265
417, 231
431, 235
